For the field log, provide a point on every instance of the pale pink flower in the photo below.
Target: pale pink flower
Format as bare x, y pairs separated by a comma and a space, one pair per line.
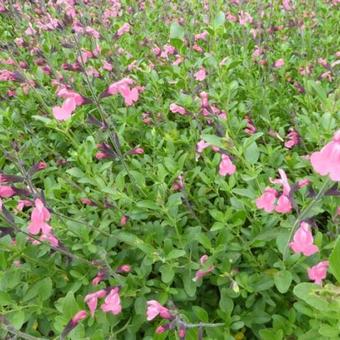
92, 32
230, 17
226, 166
204, 258
50, 238
39, 218
92, 300
124, 219
125, 268
327, 160
81, 315
245, 18
136, 151
204, 99
201, 145
178, 185
251, 128
283, 205
64, 112
6, 191
124, 29
179, 60
279, 63
267, 200
107, 66
292, 139
318, 272
155, 308
303, 182
287, 5
160, 330
201, 36
303, 241
283, 181
122, 87
177, 109
197, 48
112, 302
201, 273
22, 204
99, 278
200, 75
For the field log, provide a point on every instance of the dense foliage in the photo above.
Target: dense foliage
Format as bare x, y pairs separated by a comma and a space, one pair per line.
169, 169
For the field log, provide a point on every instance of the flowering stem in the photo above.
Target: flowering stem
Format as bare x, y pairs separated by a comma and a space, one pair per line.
304, 213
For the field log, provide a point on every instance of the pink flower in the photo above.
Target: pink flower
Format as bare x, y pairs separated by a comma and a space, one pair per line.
160, 330
327, 160
136, 151
64, 112
204, 99
318, 272
201, 74
155, 308
245, 18
201, 36
287, 6
99, 277
50, 238
107, 66
303, 182
197, 48
40, 215
283, 205
201, 273
22, 204
267, 200
204, 259
292, 139
177, 109
250, 129
125, 268
201, 145
226, 166
178, 185
279, 63
81, 315
124, 219
92, 299
122, 87
303, 241
112, 302
6, 191
282, 181
124, 29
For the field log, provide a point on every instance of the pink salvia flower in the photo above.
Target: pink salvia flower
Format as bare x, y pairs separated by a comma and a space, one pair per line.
201, 36
124, 219
286, 4
201, 273
201, 145
250, 129
112, 302
136, 151
245, 18
92, 300
155, 308
327, 160
22, 204
318, 272
204, 259
200, 75
292, 139
267, 200
303, 182
279, 63
226, 166
81, 315
40, 215
283, 205
303, 241
125, 268
64, 112
124, 29
282, 181
177, 109
6, 191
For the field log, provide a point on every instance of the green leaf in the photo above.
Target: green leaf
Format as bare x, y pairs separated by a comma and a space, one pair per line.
42, 289
176, 31
219, 19
175, 253
214, 140
16, 319
252, 153
283, 280
148, 204
226, 303
167, 273
5, 299
334, 260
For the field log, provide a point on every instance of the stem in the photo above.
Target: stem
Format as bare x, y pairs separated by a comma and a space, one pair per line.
305, 212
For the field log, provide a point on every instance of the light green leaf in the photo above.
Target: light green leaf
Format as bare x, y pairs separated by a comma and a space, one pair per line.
283, 280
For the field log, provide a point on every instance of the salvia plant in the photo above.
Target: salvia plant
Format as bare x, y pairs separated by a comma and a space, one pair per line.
169, 169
